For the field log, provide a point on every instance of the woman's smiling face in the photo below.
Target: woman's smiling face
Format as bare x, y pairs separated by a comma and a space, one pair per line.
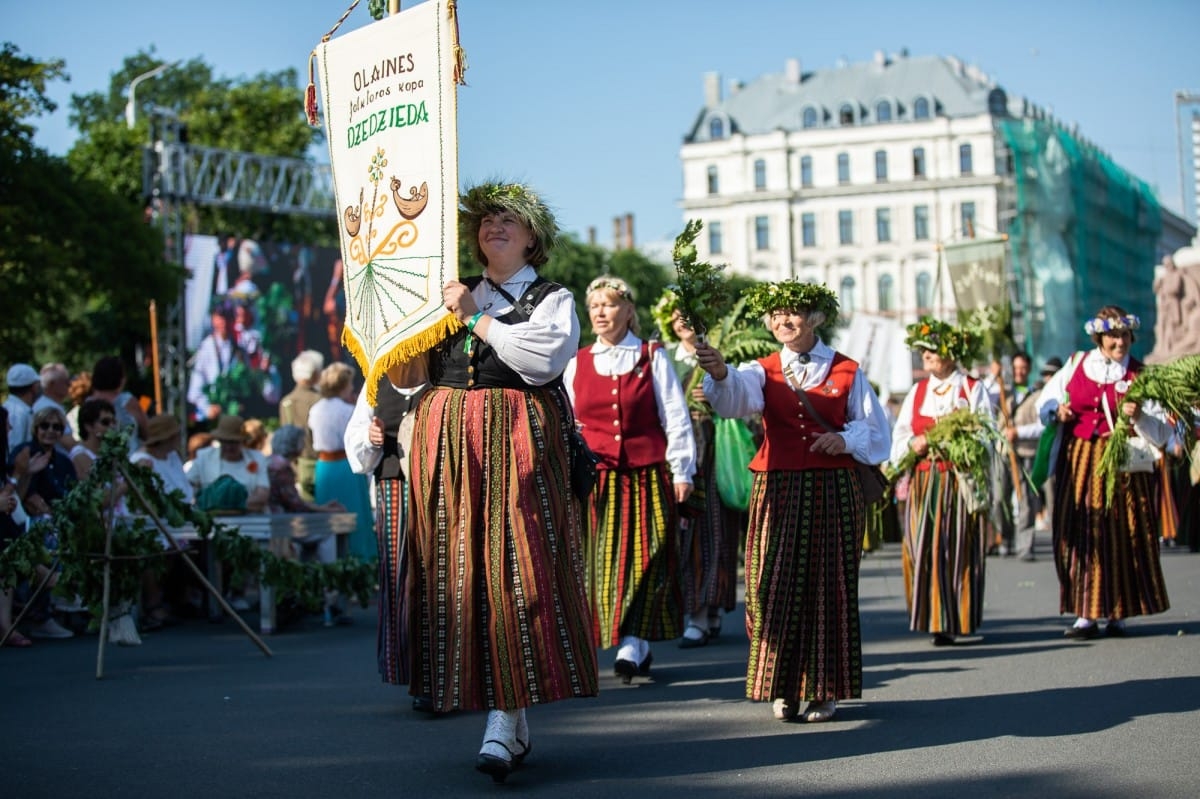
1114, 344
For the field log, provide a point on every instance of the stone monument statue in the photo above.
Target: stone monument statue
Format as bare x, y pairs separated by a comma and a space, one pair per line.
1177, 293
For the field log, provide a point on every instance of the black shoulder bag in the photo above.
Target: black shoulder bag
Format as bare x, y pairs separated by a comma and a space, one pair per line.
874, 482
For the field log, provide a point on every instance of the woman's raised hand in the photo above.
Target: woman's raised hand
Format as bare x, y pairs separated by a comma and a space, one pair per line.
711, 361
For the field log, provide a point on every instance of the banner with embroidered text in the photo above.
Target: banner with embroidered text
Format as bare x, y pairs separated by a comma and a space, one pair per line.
389, 97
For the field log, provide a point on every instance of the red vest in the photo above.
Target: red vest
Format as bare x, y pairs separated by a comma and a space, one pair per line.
789, 429
921, 424
1085, 393
619, 413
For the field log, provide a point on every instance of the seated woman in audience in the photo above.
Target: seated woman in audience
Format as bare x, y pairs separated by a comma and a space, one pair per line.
44, 474
286, 445
96, 416
246, 466
43, 470
160, 453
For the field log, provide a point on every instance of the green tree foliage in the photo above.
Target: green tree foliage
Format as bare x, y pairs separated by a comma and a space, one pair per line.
22, 96
78, 263
262, 115
575, 264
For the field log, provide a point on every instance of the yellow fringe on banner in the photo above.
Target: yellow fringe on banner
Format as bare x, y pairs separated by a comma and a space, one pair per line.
402, 352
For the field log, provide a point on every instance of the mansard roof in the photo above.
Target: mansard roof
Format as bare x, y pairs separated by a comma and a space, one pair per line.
778, 102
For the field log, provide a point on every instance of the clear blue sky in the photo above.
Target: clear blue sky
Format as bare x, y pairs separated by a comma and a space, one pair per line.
589, 101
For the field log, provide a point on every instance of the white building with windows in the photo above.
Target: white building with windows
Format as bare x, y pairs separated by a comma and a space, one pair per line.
849, 176
856, 176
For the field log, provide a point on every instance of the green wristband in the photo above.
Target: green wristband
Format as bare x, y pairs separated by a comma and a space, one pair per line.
471, 322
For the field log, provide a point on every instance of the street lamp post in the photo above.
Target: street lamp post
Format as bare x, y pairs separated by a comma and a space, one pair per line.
130, 106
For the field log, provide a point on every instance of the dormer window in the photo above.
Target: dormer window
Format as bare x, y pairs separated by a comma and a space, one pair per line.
716, 128
883, 111
846, 114
921, 108
809, 118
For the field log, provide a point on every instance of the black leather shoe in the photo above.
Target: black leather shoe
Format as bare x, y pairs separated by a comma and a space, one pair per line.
423, 704
625, 669
1082, 633
942, 639
1114, 630
644, 666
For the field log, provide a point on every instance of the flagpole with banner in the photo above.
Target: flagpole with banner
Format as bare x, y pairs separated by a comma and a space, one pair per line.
389, 96
977, 276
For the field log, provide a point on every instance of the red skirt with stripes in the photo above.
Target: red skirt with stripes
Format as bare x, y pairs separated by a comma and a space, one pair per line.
497, 602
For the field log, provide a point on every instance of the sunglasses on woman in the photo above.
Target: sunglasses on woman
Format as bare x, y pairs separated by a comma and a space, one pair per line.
55, 426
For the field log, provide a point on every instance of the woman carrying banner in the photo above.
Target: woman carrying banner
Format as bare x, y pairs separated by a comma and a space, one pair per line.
807, 512
1105, 548
633, 415
496, 593
945, 536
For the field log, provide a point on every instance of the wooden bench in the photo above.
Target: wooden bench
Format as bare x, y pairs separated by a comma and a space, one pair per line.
273, 531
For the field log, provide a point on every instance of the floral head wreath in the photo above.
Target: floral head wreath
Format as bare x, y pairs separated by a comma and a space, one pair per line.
1094, 327
792, 295
955, 343
611, 283
496, 197
663, 312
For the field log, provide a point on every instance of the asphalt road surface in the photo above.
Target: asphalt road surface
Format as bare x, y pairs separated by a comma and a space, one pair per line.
198, 711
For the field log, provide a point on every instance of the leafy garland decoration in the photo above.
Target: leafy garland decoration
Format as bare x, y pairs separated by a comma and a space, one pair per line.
959, 344
81, 520
794, 295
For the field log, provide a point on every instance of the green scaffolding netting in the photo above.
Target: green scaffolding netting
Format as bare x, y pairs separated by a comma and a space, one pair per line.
1084, 236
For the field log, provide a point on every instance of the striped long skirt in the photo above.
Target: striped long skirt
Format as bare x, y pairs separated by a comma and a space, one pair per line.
945, 549
496, 599
391, 518
1106, 557
710, 538
633, 556
802, 557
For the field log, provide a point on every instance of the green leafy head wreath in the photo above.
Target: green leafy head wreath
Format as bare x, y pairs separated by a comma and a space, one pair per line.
955, 343
793, 295
496, 197
663, 311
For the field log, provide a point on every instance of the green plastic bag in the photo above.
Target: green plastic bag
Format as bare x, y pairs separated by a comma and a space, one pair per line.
734, 451
1041, 461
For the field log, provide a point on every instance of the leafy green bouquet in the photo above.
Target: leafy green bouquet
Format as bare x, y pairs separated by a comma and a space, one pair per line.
702, 292
965, 439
